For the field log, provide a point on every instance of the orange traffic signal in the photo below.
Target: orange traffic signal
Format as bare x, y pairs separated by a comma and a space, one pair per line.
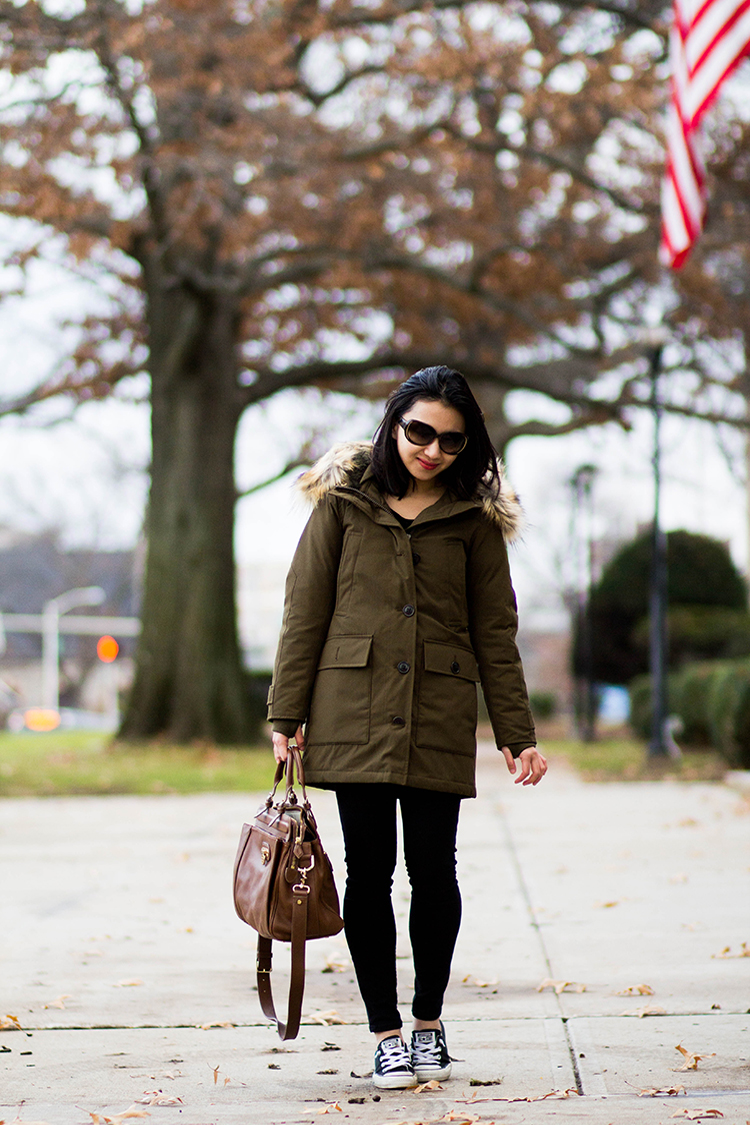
107, 649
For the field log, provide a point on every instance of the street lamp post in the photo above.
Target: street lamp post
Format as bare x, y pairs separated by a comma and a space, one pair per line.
582, 482
51, 614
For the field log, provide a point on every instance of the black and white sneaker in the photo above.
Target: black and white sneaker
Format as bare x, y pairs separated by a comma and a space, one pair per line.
429, 1055
393, 1069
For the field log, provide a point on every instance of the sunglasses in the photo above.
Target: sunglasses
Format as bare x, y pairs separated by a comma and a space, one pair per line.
419, 433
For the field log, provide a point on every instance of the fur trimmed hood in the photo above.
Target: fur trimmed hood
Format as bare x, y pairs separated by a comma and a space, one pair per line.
344, 465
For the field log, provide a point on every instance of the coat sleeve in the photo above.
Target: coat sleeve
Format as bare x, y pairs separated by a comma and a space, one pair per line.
493, 623
308, 607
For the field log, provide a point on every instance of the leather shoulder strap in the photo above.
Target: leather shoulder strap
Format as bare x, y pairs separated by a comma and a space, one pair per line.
289, 1029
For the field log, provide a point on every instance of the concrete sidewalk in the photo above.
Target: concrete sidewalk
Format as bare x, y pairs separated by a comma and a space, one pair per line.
131, 977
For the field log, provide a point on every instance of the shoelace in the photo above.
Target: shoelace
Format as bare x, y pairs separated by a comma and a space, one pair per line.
394, 1055
425, 1048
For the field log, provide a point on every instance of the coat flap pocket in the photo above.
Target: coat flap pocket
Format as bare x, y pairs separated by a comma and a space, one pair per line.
345, 652
450, 660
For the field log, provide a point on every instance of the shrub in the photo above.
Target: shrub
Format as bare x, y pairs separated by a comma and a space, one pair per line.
707, 601
729, 712
712, 700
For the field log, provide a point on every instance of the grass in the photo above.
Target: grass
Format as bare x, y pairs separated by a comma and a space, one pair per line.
625, 759
73, 763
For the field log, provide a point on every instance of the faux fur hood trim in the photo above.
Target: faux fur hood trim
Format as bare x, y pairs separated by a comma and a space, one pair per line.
344, 465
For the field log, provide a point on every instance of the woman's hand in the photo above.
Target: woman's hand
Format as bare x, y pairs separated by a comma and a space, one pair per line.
281, 744
533, 765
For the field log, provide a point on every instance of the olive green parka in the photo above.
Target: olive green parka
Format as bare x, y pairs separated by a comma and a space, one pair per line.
386, 633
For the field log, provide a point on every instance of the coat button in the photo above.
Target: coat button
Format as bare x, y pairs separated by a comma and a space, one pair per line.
409, 611
403, 667
455, 667
398, 721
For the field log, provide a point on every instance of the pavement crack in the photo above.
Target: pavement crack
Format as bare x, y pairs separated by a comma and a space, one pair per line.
535, 925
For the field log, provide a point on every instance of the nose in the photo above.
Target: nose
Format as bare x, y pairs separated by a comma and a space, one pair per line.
433, 450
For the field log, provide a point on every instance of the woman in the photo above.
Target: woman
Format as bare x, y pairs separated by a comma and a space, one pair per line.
398, 602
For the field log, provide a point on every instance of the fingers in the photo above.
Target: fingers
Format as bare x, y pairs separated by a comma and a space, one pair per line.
299, 738
511, 761
280, 746
533, 767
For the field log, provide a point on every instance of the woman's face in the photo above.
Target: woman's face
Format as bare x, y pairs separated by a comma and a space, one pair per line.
426, 462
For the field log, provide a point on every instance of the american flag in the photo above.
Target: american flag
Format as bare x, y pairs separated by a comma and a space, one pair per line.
709, 38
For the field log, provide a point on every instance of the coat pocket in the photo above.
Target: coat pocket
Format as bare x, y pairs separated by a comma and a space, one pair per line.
342, 695
447, 715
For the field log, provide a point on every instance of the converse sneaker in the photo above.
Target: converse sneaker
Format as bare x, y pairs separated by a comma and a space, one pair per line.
429, 1054
393, 1069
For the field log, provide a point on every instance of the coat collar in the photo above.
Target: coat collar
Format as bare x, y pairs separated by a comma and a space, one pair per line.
345, 470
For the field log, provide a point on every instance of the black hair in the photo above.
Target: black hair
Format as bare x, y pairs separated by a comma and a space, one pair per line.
476, 463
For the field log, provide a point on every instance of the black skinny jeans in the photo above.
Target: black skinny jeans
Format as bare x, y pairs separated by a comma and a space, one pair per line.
430, 822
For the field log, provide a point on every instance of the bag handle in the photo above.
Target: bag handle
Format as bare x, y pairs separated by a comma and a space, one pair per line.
294, 764
288, 768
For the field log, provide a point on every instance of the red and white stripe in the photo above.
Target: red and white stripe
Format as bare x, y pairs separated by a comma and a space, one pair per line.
709, 38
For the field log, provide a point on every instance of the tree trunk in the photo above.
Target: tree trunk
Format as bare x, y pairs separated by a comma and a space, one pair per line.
189, 681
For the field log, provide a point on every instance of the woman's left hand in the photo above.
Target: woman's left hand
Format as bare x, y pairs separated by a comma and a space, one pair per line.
533, 765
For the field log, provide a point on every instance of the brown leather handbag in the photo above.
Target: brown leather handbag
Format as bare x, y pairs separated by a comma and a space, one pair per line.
284, 888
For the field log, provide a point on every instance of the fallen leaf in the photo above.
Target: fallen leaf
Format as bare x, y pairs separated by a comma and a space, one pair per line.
116, 1118
608, 905
636, 990
326, 1018
433, 1084
680, 878
662, 1091
649, 1010
687, 822
553, 1095
216, 1023
336, 963
330, 1047
332, 1107
10, 1023
697, 1114
726, 952
156, 1097
475, 982
691, 1061
457, 1115
132, 982
560, 985
227, 1081
59, 1002
216, 1074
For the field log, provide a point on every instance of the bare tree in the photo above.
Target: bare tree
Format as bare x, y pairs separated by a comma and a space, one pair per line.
289, 194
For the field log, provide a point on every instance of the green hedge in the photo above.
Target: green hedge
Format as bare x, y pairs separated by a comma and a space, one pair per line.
712, 700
